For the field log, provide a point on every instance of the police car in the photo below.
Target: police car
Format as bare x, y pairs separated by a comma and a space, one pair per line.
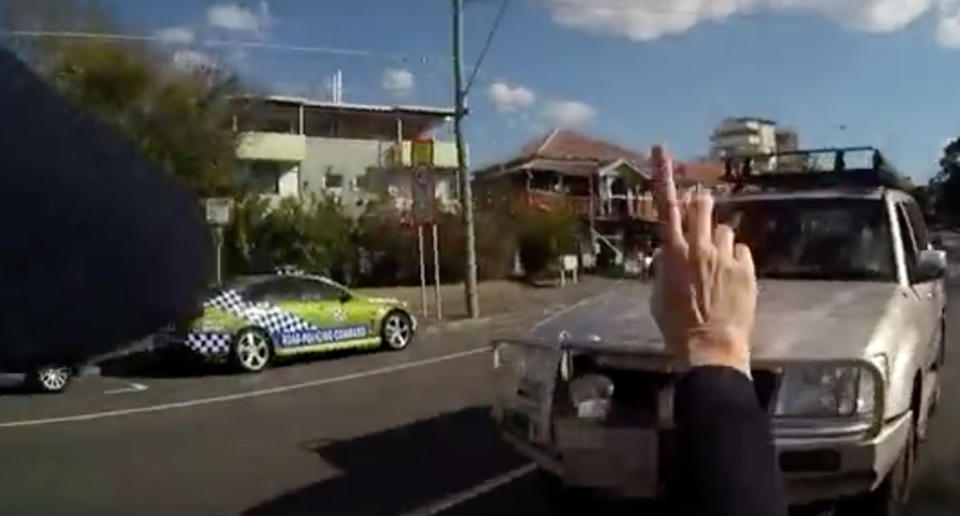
254, 319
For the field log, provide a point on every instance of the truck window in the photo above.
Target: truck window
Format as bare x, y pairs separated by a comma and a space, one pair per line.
907, 238
917, 224
829, 238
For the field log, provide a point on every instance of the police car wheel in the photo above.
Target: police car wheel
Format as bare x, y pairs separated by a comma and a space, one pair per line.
52, 378
397, 331
252, 350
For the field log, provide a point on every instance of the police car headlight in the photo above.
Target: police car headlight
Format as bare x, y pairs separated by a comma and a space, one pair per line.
827, 390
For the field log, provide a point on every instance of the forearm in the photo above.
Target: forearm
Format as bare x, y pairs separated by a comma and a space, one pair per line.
726, 461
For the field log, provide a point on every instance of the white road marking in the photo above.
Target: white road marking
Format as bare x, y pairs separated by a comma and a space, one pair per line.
133, 387
567, 309
283, 388
455, 499
242, 395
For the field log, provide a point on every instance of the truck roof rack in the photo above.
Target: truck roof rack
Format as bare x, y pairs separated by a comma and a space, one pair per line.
815, 168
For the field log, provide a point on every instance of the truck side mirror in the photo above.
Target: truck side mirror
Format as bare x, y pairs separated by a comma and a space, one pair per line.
931, 265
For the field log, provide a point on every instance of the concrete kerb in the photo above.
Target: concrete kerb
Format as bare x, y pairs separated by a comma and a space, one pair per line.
457, 324
91, 367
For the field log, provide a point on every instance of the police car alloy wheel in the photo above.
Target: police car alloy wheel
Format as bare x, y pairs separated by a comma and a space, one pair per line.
52, 378
397, 330
252, 350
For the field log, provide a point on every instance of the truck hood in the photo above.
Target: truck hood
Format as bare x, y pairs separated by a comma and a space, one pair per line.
795, 319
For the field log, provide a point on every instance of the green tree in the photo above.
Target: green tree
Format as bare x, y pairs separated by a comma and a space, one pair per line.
544, 236
181, 119
944, 188
312, 235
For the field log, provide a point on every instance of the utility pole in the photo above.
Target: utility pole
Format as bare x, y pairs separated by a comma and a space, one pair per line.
466, 191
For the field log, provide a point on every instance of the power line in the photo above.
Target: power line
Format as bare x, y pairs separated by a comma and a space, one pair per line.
105, 36
486, 44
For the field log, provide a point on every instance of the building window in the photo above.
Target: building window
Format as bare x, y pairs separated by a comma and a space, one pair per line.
332, 180
261, 177
362, 182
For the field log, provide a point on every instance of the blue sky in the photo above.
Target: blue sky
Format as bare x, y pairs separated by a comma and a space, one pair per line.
882, 72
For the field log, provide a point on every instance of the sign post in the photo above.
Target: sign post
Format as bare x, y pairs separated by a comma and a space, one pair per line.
219, 211
424, 213
423, 273
436, 272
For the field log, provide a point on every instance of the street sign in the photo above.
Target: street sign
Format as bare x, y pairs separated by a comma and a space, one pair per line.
219, 210
424, 195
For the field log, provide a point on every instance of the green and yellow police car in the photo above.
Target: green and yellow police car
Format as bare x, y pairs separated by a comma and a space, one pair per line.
253, 319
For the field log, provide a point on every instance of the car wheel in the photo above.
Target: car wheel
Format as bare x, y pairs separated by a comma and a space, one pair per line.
252, 350
891, 497
397, 330
52, 378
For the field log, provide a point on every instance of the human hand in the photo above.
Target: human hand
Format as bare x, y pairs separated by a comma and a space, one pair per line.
705, 292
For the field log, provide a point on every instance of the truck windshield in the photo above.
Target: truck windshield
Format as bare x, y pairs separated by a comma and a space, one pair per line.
830, 239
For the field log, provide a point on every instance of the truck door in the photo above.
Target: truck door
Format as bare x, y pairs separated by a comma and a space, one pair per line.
928, 292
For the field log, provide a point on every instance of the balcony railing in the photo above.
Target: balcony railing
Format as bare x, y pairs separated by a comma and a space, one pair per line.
257, 145
272, 146
444, 154
603, 208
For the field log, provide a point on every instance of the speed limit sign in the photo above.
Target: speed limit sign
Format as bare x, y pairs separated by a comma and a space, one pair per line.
424, 188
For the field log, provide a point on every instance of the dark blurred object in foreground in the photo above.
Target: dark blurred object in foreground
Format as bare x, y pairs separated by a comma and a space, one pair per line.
98, 247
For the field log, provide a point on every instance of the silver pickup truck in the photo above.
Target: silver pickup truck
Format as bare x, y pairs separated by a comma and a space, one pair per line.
848, 343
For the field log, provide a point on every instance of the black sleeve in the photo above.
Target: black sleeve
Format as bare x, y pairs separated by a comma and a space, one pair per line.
726, 464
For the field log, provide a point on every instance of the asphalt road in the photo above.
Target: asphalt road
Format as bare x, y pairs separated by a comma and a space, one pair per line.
372, 433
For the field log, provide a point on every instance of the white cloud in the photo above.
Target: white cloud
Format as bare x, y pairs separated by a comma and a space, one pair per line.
948, 31
948, 26
397, 81
183, 35
240, 19
643, 20
569, 112
193, 61
507, 99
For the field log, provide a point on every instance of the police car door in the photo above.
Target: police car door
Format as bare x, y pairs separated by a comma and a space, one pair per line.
323, 306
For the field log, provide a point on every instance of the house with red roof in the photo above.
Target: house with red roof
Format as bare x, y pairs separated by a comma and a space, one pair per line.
607, 185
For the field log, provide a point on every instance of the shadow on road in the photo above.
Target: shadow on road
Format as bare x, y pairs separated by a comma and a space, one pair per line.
158, 364
172, 363
935, 493
403, 468
15, 386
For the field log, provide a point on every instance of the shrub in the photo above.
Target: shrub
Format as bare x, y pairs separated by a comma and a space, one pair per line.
388, 247
388, 241
379, 248
544, 236
312, 235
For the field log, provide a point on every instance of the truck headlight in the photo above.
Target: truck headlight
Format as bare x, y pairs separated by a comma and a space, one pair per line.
525, 371
825, 390
591, 395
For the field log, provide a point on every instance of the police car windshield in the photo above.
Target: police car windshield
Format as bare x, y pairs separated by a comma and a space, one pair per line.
831, 238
